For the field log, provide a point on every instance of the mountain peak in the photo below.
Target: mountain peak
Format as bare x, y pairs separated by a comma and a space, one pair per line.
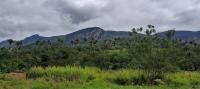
31, 39
35, 36
92, 29
91, 32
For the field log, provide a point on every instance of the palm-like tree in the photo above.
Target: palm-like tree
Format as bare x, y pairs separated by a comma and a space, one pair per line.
150, 30
92, 43
49, 44
72, 42
75, 42
85, 39
18, 45
170, 34
10, 41
38, 43
140, 29
61, 42
134, 31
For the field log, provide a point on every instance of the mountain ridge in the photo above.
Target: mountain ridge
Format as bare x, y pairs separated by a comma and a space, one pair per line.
88, 33
99, 34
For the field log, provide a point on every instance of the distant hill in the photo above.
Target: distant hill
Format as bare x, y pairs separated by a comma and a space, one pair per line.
88, 33
184, 35
100, 34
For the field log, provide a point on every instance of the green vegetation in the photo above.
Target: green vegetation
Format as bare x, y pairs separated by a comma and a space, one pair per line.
86, 78
138, 62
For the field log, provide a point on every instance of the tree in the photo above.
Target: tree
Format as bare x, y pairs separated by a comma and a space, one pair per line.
38, 43
169, 34
150, 30
10, 41
18, 45
85, 39
61, 42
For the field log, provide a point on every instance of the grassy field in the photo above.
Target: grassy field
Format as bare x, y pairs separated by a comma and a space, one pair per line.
94, 78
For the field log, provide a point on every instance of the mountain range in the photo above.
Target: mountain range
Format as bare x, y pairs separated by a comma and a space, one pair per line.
100, 34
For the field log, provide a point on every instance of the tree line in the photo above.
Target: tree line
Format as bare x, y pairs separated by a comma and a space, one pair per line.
140, 51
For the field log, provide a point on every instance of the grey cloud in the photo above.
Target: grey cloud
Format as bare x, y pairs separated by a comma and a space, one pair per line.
166, 14
46, 17
76, 13
22, 18
190, 17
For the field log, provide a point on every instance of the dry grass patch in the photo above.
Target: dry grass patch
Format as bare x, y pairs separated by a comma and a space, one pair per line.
15, 76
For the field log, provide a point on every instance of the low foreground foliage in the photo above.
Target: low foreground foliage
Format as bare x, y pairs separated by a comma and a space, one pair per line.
93, 78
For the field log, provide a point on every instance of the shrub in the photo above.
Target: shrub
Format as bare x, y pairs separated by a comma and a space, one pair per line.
137, 77
124, 77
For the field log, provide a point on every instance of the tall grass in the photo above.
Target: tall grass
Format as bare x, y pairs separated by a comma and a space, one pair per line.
84, 74
66, 73
183, 78
71, 77
122, 77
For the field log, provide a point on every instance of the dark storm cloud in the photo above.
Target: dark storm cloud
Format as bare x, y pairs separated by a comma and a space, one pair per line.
22, 18
75, 11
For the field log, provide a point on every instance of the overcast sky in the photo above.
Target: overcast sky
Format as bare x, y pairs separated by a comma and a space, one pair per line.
22, 18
